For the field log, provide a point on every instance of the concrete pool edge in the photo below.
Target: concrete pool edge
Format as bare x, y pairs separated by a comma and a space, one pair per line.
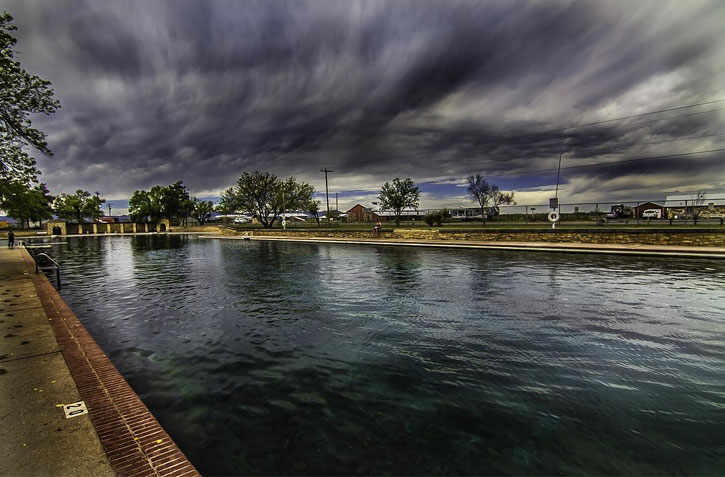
133, 440
624, 249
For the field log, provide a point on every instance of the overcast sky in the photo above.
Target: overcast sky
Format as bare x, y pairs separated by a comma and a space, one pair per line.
155, 91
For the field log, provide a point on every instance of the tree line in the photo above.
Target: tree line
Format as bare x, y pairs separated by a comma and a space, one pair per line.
262, 195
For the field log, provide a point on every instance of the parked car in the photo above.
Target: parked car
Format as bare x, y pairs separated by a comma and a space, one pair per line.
652, 214
621, 211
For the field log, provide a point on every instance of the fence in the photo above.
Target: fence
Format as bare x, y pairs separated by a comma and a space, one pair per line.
678, 208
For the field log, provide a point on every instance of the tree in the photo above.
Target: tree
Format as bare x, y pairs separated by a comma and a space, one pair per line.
263, 195
226, 204
313, 207
485, 194
20, 95
79, 206
145, 205
202, 210
28, 204
176, 202
160, 202
398, 196
296, 196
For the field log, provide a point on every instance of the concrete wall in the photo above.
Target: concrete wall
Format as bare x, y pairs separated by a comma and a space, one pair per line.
714, 237
68, 228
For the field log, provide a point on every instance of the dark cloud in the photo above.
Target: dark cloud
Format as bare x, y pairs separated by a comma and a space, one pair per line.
204, 90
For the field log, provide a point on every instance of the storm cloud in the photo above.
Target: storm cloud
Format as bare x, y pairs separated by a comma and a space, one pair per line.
201, 91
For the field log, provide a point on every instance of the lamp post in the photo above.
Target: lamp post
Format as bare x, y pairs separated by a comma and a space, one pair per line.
558, 170
284, 207
554, 203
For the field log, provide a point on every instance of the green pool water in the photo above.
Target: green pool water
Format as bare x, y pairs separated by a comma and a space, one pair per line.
270, 358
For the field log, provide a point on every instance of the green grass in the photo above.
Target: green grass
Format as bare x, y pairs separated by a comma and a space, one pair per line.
491, 225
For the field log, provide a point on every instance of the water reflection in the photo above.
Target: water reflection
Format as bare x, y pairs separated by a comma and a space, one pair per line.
279, 358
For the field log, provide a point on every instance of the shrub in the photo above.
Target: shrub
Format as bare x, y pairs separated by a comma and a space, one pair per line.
437, 218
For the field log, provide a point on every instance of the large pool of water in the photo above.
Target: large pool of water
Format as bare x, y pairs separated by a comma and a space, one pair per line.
288, 358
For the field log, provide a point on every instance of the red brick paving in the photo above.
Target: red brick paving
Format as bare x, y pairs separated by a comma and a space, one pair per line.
127, 430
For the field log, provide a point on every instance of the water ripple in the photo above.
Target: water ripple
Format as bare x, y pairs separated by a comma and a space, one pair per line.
279, 358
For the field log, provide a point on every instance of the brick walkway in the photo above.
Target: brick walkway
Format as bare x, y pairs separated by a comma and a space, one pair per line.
119, 435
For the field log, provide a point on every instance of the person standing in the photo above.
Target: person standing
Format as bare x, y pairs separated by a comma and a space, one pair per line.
11, 239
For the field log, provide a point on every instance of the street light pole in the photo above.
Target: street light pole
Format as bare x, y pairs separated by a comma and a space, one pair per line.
556, 194
558, 170
284, 208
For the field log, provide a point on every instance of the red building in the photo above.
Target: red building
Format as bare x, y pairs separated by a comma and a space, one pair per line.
648, 206
360, 213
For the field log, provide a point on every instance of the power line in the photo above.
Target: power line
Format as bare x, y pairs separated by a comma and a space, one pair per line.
646, 143
565, 135
607, 163
539, 133
570, 146
615, 119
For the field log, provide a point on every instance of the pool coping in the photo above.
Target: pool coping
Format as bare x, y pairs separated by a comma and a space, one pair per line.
611, 249
132, 438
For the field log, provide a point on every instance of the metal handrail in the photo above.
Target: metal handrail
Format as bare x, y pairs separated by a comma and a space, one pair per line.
57, 267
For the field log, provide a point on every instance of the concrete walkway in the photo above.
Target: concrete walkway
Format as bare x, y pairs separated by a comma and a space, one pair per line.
47, 359
616, 249
37, 439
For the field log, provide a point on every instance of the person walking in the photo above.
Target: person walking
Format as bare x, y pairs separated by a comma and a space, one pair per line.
11, 239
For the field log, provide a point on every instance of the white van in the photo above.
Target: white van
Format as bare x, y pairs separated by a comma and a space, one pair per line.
652, 214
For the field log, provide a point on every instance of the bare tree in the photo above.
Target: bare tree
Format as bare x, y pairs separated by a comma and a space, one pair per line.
488, 196
698, 200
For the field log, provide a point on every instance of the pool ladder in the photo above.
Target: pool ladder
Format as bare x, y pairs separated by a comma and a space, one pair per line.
52, 266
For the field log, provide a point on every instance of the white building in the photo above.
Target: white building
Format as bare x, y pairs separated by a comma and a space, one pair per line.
712, 202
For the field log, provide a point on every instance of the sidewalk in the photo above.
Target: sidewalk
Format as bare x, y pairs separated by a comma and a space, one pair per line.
37, 439
47, 358
568, 247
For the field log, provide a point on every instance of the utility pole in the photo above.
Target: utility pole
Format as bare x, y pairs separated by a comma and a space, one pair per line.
109, 210
327, 193
337, 206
